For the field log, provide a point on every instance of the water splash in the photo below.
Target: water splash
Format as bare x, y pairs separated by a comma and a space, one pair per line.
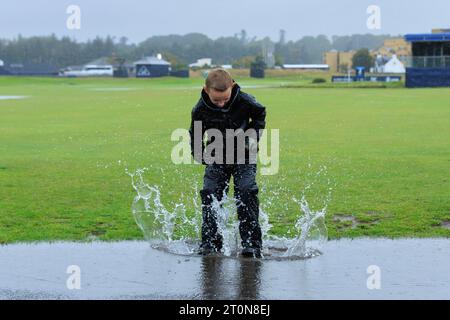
173, 231
156, 221
312, 232
149, 212
228, 224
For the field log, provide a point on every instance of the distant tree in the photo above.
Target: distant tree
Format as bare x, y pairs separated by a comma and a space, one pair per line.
282, 39
243, 63
225, 50
243, 36
362, 58
343, 67
63, 52
358, 41
175, 62
278, 60
123, 41
312, 48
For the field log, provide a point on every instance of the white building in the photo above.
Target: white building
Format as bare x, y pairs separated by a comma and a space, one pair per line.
96, 68
89, 71
204, 62
394, 66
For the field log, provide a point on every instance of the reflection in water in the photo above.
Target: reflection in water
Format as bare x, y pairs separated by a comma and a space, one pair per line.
212, 278
219, 275
249, 278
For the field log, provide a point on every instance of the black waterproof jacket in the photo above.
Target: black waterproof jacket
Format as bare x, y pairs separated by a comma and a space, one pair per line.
241, 112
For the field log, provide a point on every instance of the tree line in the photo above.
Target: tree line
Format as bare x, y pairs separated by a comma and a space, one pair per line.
180, 50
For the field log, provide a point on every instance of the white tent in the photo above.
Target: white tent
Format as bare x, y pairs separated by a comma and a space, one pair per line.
394, 66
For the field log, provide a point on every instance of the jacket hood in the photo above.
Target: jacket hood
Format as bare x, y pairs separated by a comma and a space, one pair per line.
234, 94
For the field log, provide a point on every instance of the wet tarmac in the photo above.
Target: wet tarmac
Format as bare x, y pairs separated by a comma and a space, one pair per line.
347, 269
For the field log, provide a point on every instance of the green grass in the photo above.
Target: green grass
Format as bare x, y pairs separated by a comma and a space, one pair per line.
64, 150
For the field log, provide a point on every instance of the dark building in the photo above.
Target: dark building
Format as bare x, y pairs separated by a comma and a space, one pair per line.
3, 71
180, 73
151, 67
430, 62
28, 69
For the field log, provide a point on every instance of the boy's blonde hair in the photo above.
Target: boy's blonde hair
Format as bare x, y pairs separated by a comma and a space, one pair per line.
219, 79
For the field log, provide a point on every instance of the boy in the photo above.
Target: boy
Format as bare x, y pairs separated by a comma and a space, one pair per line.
223, 106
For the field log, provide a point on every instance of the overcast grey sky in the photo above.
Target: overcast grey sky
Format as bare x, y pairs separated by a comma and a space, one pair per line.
140, 19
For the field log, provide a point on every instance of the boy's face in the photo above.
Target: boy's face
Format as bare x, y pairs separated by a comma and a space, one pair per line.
219, 98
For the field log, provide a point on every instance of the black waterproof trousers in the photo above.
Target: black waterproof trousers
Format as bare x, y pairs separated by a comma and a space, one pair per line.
216, 181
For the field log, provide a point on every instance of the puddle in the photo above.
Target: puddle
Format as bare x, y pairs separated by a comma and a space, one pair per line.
12, 97
345, 221
348, 221
409, 269
445, 224
274, 249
